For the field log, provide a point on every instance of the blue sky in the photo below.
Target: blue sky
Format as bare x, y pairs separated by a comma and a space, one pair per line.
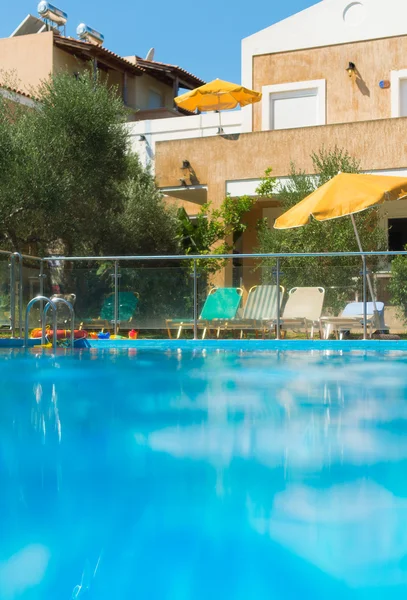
202, 37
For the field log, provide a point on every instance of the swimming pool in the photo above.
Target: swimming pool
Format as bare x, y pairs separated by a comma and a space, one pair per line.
197, 472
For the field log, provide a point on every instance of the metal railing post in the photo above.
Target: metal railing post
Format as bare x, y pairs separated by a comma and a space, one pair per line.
195, 302
278, 337
42, 277
116, 296
364, 274
12, 296
20, 293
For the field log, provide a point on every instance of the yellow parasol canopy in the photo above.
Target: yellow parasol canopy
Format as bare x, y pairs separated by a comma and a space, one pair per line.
217, 95
344, 194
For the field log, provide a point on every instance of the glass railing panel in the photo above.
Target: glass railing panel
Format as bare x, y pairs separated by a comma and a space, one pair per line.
89, 288
4, 293
389, 279
158, 301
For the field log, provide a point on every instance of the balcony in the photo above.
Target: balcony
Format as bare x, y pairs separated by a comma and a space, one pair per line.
234, 162
146, 132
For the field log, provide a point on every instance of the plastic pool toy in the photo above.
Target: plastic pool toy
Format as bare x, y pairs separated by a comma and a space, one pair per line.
62, 334
133, 334
103, 335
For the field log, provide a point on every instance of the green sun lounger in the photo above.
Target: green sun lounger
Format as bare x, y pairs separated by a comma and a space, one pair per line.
221, 306
128, 302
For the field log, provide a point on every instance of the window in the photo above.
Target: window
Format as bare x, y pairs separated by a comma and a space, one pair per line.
291, 105
154, 99
399, 93
397, 234
403, 98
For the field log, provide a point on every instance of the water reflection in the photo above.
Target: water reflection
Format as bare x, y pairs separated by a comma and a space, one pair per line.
355, 532
183, 475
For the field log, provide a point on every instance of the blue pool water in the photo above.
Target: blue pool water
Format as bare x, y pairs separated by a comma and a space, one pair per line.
188, 475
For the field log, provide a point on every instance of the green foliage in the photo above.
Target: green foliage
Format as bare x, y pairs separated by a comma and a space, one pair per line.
70, 183
213, 229
398, 285
71, 186
267, 183
339, 276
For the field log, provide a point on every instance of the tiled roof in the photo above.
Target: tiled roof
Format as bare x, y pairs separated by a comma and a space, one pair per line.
159, 67
16, 91
93, 51
162, 71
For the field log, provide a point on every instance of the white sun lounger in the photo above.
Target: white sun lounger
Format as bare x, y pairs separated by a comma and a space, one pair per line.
303, 310
352, 317
259, 310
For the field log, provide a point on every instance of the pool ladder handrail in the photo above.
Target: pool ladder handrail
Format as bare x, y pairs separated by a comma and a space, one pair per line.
55, 301
54, 319
49, 304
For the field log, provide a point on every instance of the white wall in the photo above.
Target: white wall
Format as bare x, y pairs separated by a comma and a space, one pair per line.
247, 187
179, 128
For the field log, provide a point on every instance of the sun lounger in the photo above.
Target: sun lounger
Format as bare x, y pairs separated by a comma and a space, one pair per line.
259, 310
352, 317
221, 305
128, 302
303, 310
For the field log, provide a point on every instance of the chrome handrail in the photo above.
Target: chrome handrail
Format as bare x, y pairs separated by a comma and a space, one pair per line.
54, 319
71, 312
224, 256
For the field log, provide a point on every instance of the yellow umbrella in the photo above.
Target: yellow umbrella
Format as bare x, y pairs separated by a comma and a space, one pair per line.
344, 194
217, 95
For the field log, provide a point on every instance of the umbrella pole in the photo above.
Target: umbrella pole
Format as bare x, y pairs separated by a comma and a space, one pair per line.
220, 123
369, 281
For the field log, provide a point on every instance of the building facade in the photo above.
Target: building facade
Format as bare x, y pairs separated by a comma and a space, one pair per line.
34, 52
334, 74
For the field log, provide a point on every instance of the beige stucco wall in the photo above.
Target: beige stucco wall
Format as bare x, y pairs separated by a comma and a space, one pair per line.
348, 100
138, 87
379, 144
64, 61
27, 59
145, 83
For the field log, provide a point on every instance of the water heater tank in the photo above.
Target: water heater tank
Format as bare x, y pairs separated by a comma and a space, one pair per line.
87, 34
51, 12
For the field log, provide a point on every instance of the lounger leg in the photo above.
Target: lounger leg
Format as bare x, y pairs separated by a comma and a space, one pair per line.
179, 332
168, 329
204, 333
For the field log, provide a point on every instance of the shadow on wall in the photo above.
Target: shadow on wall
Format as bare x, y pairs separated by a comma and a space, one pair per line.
360, 82
233, 137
